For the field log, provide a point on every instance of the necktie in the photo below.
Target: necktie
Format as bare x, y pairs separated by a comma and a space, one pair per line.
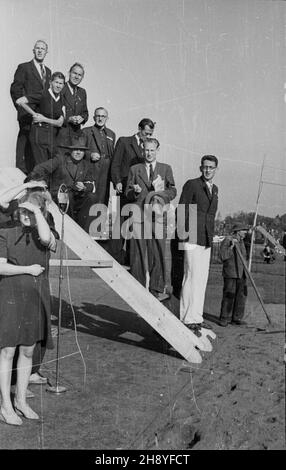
43, 72
151, 172
75, 99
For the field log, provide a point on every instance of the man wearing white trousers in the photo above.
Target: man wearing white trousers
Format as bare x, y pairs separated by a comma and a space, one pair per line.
196, 240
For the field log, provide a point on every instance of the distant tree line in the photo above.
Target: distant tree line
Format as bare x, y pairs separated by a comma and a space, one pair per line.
275, 225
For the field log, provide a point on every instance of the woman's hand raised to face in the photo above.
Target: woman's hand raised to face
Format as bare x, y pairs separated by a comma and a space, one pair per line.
29, 206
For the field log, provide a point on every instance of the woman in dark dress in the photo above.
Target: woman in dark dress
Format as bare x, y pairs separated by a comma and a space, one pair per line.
24, 299
47, 120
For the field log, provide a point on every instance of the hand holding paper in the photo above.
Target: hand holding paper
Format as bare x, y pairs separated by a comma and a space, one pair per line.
158, 184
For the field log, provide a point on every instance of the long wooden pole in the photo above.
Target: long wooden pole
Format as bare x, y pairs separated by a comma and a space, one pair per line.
255, 216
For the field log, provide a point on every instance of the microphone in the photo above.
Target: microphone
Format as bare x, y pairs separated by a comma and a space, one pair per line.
63, 198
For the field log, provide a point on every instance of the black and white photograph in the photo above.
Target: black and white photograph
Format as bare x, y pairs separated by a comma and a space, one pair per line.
142, 228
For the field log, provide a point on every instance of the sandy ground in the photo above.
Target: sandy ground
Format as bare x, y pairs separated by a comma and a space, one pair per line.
127, 389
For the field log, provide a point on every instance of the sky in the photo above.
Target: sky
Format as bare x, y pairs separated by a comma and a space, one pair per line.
211, 74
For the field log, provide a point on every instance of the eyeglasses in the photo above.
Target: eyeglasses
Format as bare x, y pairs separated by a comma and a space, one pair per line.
209, 168
100, 116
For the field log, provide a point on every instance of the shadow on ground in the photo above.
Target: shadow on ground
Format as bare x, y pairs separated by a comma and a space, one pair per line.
114, 324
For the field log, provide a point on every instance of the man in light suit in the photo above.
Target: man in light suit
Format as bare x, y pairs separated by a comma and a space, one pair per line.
31, 79
197, 241
128, 151
101, 142
75, 102
150, 182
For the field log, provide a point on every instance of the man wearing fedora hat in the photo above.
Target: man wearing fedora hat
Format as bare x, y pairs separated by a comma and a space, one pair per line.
234, 277
73, 170
150, 183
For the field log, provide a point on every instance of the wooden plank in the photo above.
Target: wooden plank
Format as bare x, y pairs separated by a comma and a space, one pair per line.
271, 239
82, 262
126, 286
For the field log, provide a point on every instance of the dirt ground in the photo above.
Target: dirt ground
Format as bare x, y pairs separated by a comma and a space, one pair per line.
127, 389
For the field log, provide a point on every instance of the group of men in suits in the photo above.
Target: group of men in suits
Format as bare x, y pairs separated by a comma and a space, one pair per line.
91, 160
31, 81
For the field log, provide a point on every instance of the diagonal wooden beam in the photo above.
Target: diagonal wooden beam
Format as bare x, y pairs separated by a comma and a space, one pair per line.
82, 262
126, 286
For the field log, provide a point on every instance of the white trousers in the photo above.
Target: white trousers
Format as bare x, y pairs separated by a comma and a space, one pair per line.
196, 271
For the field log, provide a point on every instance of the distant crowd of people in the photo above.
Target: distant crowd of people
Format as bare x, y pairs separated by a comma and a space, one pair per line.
54, 148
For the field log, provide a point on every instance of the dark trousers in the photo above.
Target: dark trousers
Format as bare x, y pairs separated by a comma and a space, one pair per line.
90, 218
38, 356
148, 254
234, 298
43, 141
78, 202
67, 133
119, 247
24, 152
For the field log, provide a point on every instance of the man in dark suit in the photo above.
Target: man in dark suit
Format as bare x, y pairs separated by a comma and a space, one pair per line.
75, 102
31, 79
197, 235
128, 151
151, 183
234, 277
101, 142
73, 170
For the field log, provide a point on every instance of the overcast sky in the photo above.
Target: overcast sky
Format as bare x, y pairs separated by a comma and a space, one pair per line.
210, 73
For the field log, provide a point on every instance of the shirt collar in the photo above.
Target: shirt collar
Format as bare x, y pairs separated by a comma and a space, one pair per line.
70, 88
56, 98
38, 66
152, 163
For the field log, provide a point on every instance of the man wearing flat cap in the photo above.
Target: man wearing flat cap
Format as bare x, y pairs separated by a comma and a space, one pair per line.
234, 277
73, 170
149, 184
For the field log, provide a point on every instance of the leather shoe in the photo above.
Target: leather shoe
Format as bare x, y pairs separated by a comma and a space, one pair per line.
204, 325
195, 328
37, 379
239, 322
223, 322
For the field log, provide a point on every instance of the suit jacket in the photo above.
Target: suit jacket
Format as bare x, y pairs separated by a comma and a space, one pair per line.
75, 105
100, 168
138, 175
61, 169
232, 265
127, 153
93, 140
195, 191
27, 82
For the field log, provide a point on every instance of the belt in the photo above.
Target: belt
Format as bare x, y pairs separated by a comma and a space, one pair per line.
42, 124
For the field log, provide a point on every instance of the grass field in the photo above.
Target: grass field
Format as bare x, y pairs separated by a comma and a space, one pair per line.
269, 278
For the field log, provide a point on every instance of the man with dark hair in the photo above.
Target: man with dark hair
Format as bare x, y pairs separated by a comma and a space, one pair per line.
31, 79
197, 242
75, 102
128, 151
48, 117
150, 183
101, 142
